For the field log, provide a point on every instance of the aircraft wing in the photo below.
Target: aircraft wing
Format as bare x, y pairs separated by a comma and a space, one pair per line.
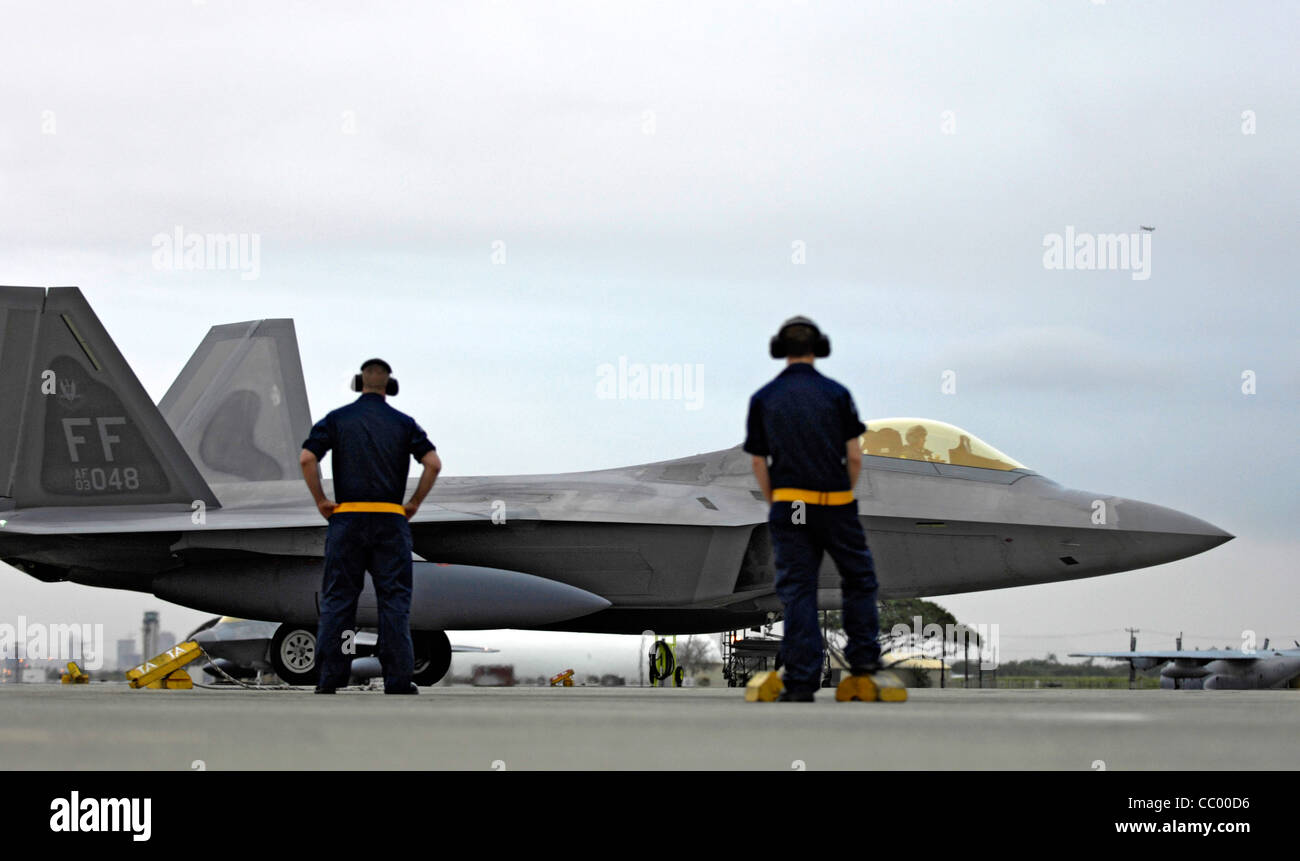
153, 519
1202, 656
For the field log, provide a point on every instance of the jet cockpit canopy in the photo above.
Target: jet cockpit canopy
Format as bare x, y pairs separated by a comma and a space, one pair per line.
932, 441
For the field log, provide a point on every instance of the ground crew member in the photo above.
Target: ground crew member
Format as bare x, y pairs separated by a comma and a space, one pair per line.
803, 431
368, 526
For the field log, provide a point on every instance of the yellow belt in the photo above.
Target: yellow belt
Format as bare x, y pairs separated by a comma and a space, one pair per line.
370, 508
812, 497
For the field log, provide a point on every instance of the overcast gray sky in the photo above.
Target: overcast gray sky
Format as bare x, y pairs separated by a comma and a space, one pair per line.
649, 174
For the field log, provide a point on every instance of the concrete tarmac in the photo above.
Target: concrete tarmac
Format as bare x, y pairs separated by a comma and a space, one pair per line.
110, 726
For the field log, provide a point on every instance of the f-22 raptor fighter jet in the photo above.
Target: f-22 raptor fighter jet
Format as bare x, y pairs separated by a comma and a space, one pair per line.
199, 500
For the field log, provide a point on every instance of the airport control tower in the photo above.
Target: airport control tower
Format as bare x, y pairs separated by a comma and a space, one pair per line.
149, 635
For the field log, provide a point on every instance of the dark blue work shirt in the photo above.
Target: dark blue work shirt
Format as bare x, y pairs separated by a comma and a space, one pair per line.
372, 444
801, 421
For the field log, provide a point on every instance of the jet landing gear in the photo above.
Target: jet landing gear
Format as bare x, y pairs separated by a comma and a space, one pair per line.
293, 655
432, 656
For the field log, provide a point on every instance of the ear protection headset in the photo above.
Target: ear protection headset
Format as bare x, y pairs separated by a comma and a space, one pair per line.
821, 344
390, 389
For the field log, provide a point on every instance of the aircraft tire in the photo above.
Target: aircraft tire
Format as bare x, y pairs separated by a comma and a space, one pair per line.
432, 656
293, 654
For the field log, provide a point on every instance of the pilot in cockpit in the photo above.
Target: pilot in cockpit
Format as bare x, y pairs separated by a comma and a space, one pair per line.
915, 448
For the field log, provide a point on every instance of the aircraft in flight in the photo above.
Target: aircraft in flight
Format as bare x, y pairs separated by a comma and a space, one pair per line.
199, 500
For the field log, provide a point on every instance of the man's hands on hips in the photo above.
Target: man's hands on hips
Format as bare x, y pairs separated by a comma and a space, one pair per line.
432, 466
311, 474
759, 464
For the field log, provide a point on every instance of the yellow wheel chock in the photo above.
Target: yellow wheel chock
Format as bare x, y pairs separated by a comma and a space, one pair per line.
74, 675
764, 687
163, 672
176, 680
883, 686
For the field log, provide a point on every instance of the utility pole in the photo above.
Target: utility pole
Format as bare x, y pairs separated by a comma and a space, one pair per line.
1178, 644
1132, 647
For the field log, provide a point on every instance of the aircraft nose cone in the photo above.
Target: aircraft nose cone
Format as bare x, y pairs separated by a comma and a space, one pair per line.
1145, 517
1168, 533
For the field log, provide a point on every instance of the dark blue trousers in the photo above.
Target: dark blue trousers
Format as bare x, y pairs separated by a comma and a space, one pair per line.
797, 550
358, 542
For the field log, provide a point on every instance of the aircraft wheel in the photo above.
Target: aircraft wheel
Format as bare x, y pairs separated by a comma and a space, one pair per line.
293, 654
432, 656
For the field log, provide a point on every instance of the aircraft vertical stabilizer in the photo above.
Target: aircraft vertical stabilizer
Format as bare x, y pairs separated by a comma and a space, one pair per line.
20, 312
78, 428
239, 406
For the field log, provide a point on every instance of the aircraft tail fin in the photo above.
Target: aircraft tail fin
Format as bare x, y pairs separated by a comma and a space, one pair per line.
78, 428
239, 406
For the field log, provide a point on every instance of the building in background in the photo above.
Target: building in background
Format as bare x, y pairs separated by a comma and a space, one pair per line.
127, 656
149, 635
